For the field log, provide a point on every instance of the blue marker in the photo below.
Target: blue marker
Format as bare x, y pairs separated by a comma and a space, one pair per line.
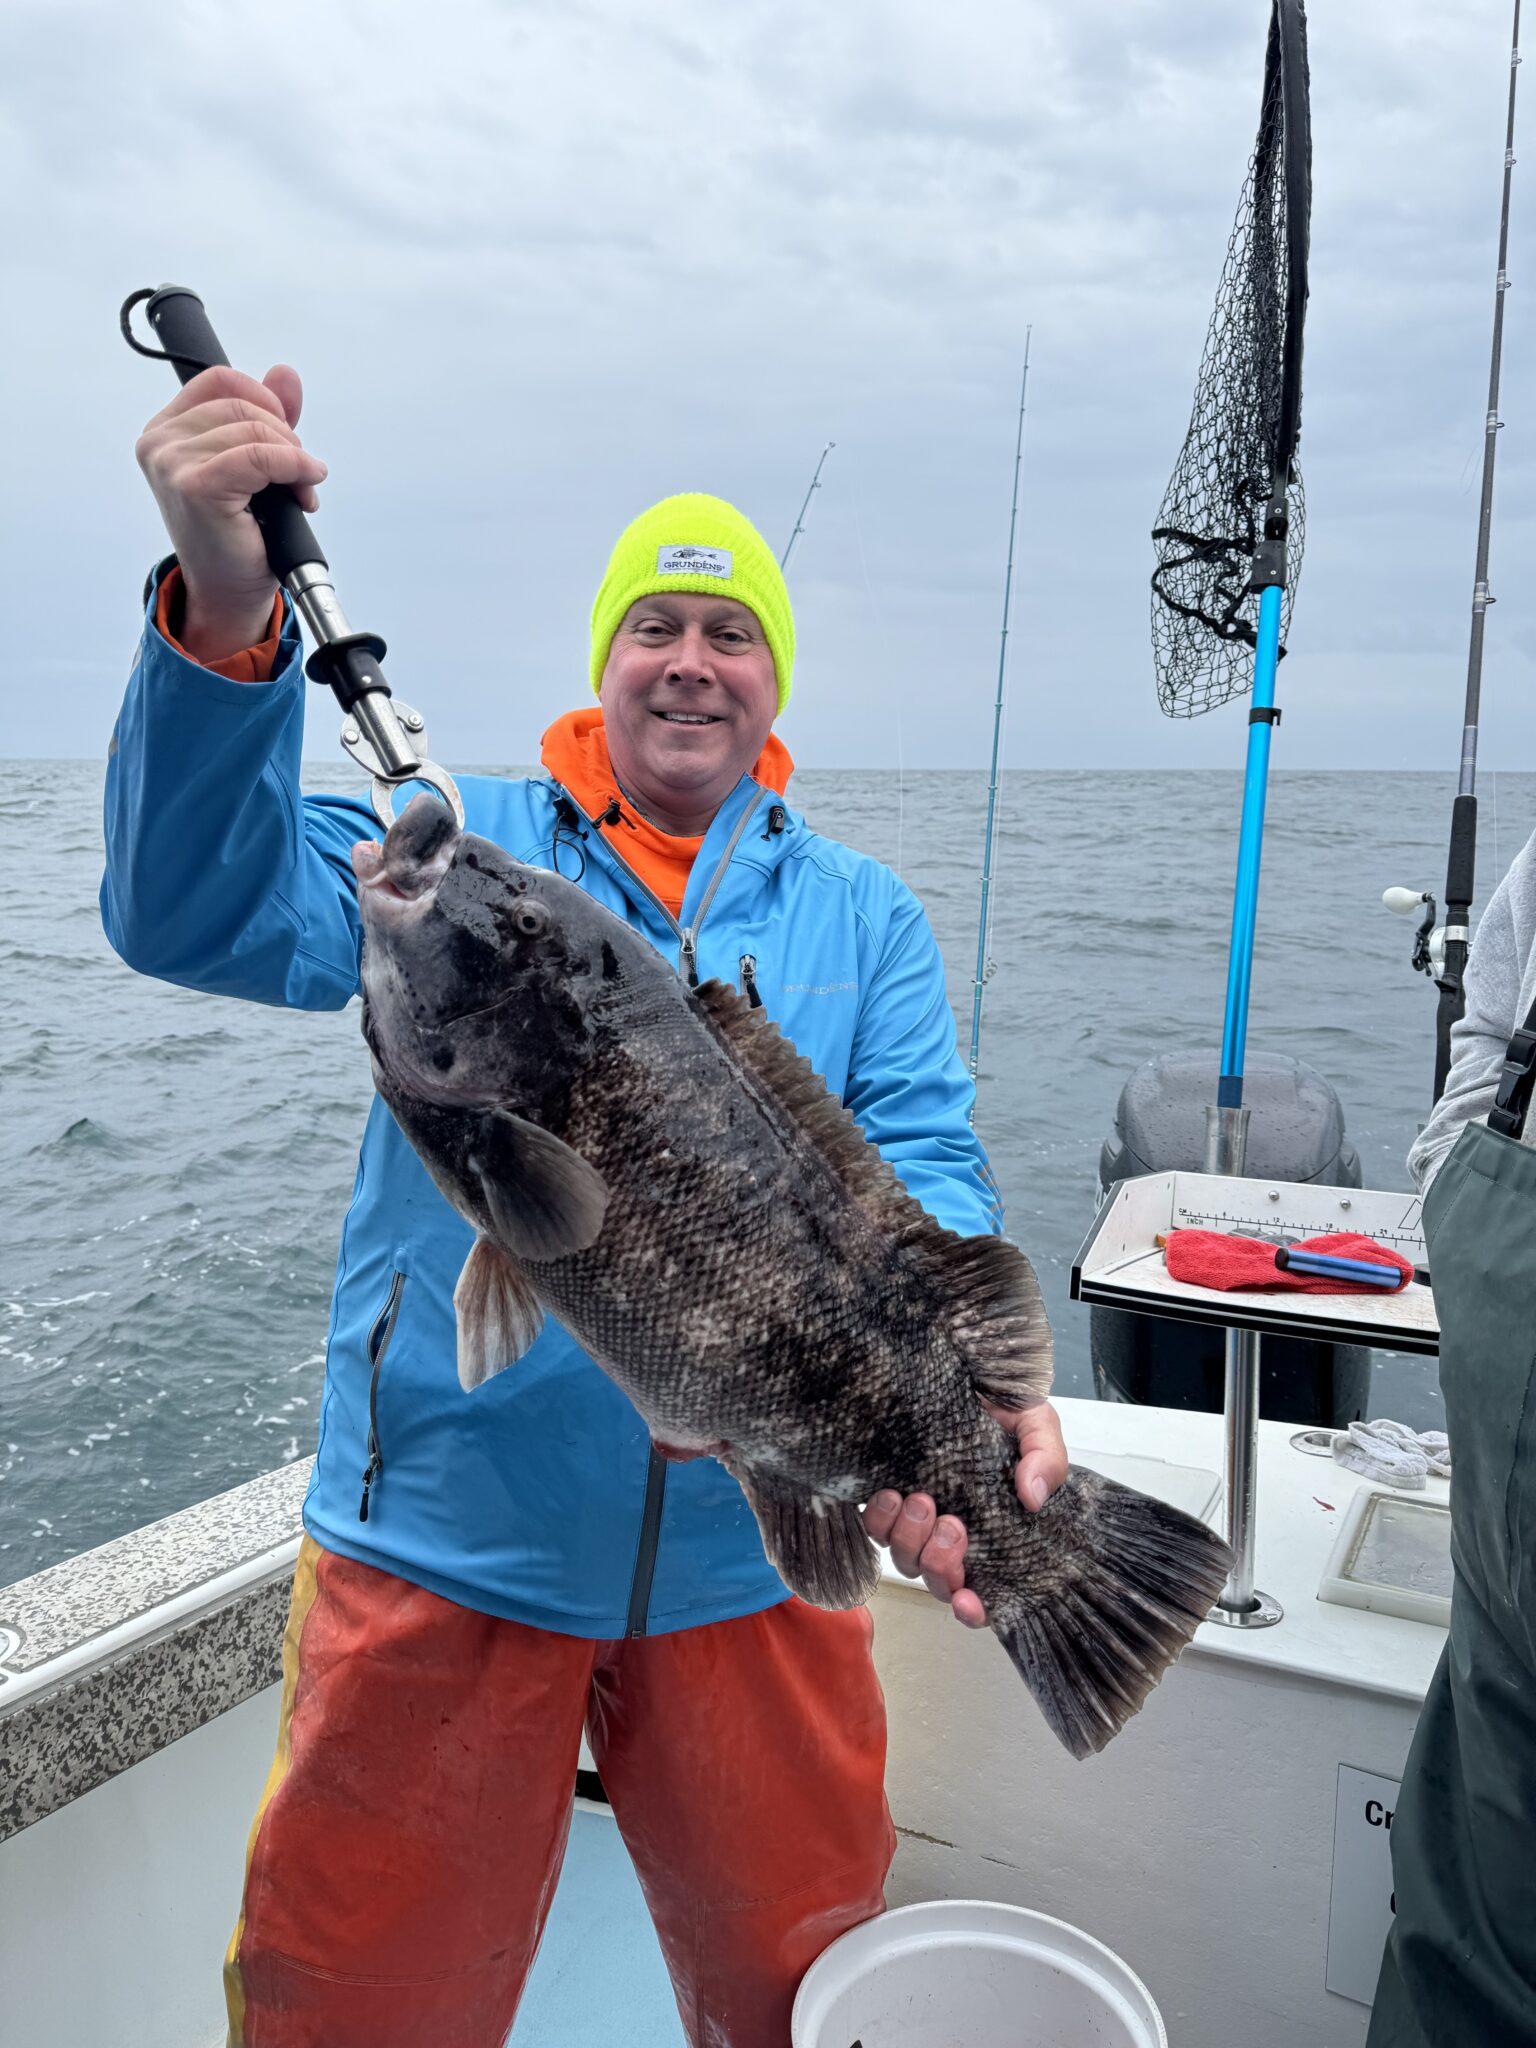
1325, 1266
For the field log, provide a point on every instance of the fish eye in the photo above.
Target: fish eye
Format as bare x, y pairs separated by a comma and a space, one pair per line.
530, 918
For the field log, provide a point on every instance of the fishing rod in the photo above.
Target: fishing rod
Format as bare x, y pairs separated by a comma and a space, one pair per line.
382, 735
1440, 950
1229, 538
984, 965
815, 485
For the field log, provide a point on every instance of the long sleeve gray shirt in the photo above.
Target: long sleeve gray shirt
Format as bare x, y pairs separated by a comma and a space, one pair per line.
1501, 987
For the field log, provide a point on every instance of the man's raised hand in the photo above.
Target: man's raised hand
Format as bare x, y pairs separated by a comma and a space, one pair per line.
223, 438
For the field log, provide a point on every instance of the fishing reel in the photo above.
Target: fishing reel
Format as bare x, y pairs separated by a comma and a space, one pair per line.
1429, 940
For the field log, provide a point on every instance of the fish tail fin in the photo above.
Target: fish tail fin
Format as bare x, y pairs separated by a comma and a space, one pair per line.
1132, 1580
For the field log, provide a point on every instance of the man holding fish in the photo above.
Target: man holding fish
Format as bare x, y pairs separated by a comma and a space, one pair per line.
488, 1569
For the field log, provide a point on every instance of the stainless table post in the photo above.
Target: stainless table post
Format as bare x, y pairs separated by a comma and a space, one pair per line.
1239, 1604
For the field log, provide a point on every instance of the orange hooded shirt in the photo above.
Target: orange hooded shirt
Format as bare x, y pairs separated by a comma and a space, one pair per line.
575, 751
250, 665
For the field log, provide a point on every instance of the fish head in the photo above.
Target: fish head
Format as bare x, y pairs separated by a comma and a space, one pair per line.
482, 976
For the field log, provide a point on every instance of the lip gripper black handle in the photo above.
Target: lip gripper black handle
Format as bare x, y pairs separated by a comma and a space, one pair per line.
178, 317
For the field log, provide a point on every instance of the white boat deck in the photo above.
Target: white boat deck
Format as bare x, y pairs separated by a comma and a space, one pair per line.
599, 1957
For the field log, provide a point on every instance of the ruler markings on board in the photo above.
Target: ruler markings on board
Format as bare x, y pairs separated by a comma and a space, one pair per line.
1276, 1228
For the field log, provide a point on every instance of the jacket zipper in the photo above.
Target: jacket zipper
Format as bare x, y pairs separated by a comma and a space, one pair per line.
650, 1542
378, 1343
690, 934
656, 1466
685, 934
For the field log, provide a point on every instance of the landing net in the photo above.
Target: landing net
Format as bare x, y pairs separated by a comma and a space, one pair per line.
1239, 455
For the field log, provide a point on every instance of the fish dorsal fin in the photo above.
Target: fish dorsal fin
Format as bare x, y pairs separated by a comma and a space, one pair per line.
997, 1318
800, 1091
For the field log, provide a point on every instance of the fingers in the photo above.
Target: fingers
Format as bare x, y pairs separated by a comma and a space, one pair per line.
190, 427
226, 449
907, 1525
233, 431
942, 1563
224, 382
926, 1546
880, 1514
942, 1558
181, 439
283, 382
221, 440
239, 472
967, 1608
1043, 1458
932, 1547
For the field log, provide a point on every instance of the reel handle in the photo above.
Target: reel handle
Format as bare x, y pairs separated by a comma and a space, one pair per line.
187, 335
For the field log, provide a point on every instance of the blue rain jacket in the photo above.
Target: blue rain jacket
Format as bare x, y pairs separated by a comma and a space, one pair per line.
536, 1497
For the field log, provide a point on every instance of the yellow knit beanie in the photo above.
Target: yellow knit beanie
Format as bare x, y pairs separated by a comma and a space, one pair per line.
696, 543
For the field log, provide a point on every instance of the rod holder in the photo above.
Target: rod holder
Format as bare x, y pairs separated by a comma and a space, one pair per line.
1226, 1139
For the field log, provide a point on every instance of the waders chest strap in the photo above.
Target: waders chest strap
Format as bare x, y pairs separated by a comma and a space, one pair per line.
1517, 1079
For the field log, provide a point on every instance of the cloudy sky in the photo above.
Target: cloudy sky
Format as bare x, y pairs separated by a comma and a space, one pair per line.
543, 261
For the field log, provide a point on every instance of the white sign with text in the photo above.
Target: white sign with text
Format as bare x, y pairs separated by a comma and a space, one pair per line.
1361, 1906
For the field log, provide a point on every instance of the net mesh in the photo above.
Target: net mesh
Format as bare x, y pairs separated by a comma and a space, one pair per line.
1240, 446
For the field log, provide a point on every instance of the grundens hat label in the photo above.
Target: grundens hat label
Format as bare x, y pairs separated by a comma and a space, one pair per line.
688, 561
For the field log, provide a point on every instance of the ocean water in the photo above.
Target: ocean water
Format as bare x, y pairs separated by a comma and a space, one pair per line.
176, 1166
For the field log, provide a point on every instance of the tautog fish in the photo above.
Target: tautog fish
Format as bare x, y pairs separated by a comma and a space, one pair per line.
654, 1165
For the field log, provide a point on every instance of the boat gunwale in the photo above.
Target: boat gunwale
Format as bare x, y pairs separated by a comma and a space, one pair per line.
114, 1654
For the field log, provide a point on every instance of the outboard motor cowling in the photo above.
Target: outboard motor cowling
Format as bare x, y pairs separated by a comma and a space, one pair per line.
1295, 1133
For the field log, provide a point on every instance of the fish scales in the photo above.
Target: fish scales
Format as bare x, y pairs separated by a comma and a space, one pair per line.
655, 1166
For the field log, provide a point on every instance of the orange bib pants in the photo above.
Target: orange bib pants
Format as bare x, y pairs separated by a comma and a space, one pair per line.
408, 1842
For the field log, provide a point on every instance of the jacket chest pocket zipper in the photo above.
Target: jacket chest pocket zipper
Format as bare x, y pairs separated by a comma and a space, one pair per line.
378, 1343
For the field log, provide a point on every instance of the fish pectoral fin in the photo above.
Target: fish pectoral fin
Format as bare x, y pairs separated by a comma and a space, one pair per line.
818, 1547
544, 1201
498, 1313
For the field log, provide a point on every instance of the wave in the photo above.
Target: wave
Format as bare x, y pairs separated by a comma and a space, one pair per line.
86, 1135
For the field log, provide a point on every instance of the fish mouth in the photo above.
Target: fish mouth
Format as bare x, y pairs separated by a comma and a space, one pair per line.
417, 852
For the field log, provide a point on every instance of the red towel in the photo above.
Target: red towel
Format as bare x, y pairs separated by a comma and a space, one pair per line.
1209, 1258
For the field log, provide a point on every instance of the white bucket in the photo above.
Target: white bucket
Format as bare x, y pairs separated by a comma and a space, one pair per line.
967, 1973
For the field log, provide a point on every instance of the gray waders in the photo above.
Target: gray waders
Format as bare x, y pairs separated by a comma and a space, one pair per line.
1460, 1962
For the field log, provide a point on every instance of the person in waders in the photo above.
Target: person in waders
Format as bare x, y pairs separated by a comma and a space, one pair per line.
483, 1576
1460, 1961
